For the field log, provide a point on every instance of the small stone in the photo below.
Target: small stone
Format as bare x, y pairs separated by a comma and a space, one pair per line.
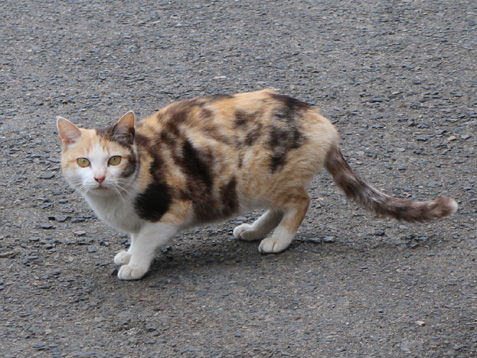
151, 328
420, 323
61, 219
315, 240
451, 138
92, 248
47, 226
376, 100
47, 176
166, 249
329, 239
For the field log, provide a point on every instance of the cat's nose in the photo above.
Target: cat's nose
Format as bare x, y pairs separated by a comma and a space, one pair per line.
100, 179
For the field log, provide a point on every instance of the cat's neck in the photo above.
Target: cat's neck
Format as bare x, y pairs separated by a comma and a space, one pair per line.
116, 209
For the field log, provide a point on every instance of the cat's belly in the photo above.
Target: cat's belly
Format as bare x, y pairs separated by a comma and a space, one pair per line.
116, 213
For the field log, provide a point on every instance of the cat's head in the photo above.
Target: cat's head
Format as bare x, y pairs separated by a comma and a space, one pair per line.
99, 161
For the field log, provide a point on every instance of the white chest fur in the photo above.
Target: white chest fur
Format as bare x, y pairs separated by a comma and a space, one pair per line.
116, 211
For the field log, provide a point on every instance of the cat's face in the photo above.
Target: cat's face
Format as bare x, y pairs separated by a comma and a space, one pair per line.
98, 162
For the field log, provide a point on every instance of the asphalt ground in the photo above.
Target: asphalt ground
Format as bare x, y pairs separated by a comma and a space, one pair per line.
398, 79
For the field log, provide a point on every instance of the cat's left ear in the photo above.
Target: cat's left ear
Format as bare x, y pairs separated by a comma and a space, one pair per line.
124, 129
67, 131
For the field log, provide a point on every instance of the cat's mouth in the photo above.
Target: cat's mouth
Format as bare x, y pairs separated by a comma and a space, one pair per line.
99, 188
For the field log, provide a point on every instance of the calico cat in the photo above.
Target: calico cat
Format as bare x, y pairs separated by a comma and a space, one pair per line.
207, 159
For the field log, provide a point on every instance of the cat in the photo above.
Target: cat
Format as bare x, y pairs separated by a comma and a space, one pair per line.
206, 159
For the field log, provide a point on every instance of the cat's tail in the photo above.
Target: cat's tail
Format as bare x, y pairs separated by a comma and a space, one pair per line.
381, 204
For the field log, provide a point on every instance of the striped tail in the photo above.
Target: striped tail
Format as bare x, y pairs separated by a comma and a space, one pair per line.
381, 204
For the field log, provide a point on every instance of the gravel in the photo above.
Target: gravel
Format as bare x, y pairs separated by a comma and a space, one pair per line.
397, 78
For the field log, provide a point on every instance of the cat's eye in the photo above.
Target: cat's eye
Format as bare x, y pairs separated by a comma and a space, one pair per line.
83, 162
114, 160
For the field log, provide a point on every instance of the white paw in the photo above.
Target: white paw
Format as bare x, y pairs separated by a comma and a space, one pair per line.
245, 232
272, 246
129, 272
122, 258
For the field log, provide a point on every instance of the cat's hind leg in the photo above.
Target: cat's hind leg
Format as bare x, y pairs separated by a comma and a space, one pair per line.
260, 228
295, 208
137, 260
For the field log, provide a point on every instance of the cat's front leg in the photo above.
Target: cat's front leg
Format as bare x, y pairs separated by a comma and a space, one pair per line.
122, 257
137, 260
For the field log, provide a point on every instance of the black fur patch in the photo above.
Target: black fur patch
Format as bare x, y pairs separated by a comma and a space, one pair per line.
241, 119
207, 209
195, 165
154, 202
228, 195
285, 133
290, 102
247, 124
253, 135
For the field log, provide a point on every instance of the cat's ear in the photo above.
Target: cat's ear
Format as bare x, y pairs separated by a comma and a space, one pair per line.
124, 129
67, 131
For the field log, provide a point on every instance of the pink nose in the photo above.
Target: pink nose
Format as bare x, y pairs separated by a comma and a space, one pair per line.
100, 179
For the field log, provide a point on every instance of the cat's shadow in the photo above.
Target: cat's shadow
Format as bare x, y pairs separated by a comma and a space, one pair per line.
228, 255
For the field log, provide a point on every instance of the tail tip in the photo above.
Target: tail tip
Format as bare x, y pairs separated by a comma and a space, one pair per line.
453, 206
445, 206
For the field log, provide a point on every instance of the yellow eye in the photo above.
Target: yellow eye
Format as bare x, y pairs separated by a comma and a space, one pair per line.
114, 160
83, 162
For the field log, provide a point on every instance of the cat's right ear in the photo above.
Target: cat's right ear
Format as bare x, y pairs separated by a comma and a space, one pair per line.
67, 131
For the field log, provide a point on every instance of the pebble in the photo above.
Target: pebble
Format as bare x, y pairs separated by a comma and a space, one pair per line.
47, 176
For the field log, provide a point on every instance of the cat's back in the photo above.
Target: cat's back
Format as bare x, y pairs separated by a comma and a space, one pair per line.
224, 117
